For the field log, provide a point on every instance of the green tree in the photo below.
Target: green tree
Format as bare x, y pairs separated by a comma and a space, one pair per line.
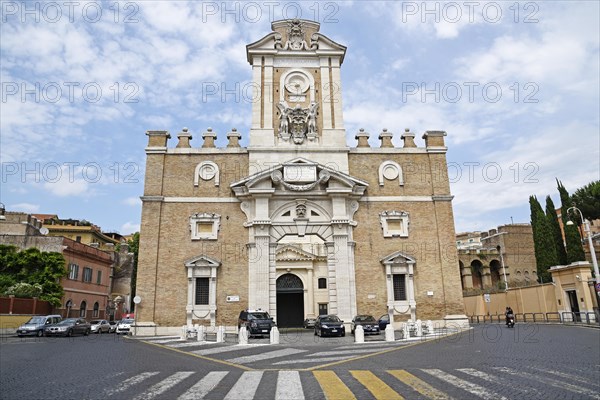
33, 267
587, 199
545, 252
559, 244
572, 238
134, 247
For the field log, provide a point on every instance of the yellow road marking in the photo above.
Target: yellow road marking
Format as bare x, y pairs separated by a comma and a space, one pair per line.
419, 385
332, 385
378, 388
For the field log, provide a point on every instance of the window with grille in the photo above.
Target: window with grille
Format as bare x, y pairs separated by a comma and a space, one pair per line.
399, 287
87, 274
73, 271
96, 311
202, 285
322, 283
99, 278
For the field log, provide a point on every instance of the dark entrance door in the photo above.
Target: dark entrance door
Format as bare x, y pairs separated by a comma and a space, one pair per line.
574, 304
290, 301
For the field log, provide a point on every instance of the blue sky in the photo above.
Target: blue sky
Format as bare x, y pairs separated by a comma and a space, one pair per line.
514, 84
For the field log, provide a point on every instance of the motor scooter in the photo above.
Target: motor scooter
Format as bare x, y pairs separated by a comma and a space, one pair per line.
510, 320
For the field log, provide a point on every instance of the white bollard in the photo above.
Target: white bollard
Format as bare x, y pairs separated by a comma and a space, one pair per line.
359, 334
184, 332
405, 330
429, 325
220, 334
200, 333
274, 335
389, 333
243, 335
418, 328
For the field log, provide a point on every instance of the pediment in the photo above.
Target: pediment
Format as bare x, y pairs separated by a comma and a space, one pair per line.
397, 258
202, 261
299, 175
290, 252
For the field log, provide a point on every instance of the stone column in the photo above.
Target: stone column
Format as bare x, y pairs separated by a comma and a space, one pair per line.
268, 94
258, 270
326, 109
256, 92
310, 301
272, 280
331, 278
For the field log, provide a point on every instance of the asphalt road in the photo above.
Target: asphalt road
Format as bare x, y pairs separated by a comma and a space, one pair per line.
490, 362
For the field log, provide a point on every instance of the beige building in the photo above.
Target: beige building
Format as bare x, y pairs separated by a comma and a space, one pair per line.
502, 255
298, 222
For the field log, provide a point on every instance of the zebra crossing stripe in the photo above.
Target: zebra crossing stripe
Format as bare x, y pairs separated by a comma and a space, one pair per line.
332, 386
551, 382
378, 388
126, 384
566, 376
265, 356
289, 386
245, 387
220, 349
419, 385
465, 385
163, 385
340, 352
204, 386
495, 380
312, 360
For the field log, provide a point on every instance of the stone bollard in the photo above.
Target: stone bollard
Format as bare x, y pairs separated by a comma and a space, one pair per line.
274, 335
429, 326
389, 333
418, 328
184, 332
243, 335
201, 333
220, 334
359, 334
405, 330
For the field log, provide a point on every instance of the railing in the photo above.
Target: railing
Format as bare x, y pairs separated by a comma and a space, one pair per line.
565, 317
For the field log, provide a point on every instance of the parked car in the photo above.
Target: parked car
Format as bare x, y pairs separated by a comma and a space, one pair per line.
309, 322
100, 326
329, 325
69, 327
36, 325
124, 326
369, 324
383, 321
257, 322
113, 326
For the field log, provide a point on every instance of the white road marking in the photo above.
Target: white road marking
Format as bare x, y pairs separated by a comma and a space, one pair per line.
465, 385
494, 379
566, 376
265, 356
289, 386
151, 338
312, 360
164, 341
192, 344
163, 386
369, 344
551, 382
126, 384
355, 351
245, 387
204, 386
222, 349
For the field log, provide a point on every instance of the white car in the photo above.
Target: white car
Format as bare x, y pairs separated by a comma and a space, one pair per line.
124, 326
100, 326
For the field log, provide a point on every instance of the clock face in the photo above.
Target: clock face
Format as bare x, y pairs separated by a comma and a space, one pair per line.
296, 83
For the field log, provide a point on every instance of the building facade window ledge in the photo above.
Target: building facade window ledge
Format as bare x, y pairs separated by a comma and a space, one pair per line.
394, 223
205, 226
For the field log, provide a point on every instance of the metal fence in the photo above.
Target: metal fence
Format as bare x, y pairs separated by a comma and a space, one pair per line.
565, 317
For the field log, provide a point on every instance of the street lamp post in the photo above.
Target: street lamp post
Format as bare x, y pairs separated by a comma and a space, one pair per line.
588, 231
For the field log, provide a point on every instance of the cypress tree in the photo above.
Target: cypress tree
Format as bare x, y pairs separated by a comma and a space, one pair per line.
545, 252
572, 238
559, 243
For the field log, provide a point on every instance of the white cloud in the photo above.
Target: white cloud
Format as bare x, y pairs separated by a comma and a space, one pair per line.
129, 227
24, 207
132, 201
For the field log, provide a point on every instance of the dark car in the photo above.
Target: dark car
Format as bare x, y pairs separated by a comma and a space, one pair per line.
369, 324
384, 320
69, 327
257, 322
329, 325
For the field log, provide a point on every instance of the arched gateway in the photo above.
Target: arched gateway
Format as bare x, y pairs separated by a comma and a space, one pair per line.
290, 301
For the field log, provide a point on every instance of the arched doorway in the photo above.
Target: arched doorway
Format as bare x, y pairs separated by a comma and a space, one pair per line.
477, 276
290, 301
495, 268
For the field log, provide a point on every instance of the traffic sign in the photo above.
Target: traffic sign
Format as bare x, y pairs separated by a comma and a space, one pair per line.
598, 287
487, 298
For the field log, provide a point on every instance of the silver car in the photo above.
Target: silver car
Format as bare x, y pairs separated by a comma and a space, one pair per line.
100, 326
36, 325
124, 326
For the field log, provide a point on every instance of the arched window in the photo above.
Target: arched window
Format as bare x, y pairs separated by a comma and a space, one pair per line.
322, 283
82, 309
96, 310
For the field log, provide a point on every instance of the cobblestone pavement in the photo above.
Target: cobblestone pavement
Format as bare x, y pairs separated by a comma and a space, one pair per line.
489, 362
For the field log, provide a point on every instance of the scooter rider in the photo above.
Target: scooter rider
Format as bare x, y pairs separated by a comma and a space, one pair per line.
509, 314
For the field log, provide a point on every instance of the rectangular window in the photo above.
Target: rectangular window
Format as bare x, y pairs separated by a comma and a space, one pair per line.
323, 309
202, 285
322, 283
87, 274
73, 271
399, 287
99, 278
